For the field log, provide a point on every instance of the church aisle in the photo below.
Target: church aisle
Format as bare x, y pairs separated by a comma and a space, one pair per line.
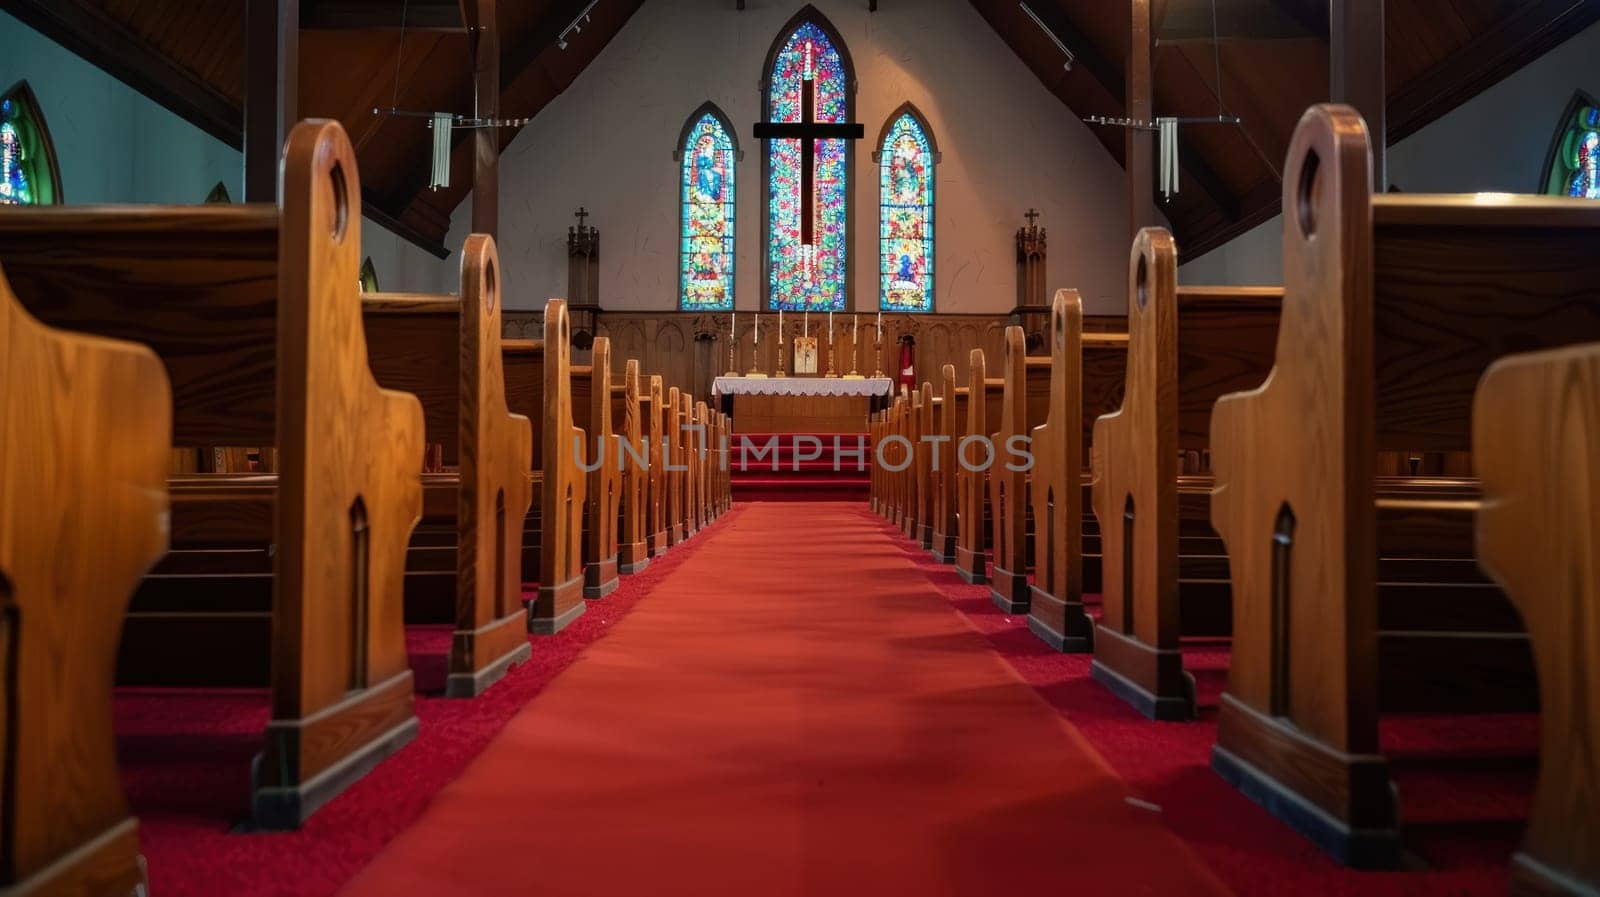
792, 711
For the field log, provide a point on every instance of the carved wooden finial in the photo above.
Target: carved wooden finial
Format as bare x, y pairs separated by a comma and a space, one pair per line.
1033, 217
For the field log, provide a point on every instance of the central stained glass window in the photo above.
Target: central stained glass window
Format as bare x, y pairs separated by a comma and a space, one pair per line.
801, 278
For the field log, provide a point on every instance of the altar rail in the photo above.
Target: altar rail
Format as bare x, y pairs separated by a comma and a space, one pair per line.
691, 349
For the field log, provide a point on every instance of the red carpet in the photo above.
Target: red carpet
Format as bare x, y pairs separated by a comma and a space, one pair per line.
1462, 817
769, 467
185, 759
793, 711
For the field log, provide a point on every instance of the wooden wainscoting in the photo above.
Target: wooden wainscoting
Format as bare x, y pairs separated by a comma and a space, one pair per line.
690, 349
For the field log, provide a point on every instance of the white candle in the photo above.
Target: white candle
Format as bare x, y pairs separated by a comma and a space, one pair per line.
754, 331
880, 325
805, 324
830, 326
780, 325
733, 325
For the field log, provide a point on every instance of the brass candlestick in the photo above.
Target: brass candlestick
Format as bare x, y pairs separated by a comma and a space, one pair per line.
855, 342
733, 365
830, 374
878, 351
782, 361
755, 356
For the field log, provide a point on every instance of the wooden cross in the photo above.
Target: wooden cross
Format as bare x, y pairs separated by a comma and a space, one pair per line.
581, 214
1032, 215
808, 130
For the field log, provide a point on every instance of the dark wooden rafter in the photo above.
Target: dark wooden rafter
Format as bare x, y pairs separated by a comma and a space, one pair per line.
1518, 39
1356, 71
105, 43
108, 45
485, 40
413, 15
513, 64
1312, 15
272, 91
1110, 77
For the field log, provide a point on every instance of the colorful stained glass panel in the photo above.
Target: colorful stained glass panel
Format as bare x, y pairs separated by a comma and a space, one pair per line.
797, 278
1576, 169
905, 218
705, 281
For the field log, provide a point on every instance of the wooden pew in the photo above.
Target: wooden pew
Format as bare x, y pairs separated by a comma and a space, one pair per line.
659, 500
1187, 347
972, 471
700, 462
923, 473
1097, 366
951, 414
255, 313
1536, 440
1056, 611
591, 412
78, 526
630, 404
538, 382
1393, 306
672, 458
446, 351
1009, 475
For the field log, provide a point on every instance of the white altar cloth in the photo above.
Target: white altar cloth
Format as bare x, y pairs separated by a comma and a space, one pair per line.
801, 386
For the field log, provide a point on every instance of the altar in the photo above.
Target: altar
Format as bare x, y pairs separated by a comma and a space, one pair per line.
802, 404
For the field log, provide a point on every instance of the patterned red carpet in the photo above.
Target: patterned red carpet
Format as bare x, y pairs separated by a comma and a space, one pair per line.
792, 711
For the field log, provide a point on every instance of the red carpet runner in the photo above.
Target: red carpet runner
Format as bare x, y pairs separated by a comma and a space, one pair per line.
793, 711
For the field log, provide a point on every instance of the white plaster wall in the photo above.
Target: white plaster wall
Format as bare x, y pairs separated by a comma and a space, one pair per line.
114, 145
1007, 144
1495, 142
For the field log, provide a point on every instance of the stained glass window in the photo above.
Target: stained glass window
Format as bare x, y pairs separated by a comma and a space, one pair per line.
905, 216
705, 269
28, 173
1575, 170
814, 277
369, 276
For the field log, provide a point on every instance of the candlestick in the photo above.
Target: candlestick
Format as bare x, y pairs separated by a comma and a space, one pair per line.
778, 338
830, 326
805, 323
733, 325
754, 331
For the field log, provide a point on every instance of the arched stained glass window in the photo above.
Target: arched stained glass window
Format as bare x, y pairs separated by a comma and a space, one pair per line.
905, 157
1574, 164
369, 276
813, 276
28, 172
707, 153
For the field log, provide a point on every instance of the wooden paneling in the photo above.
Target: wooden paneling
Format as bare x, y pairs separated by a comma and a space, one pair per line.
689, 350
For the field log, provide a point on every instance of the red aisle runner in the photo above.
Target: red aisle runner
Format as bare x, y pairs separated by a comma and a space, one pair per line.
794, 711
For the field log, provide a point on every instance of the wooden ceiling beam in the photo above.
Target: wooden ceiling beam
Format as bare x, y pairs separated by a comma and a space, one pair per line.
414, 15
1103, 70
1517, 40
106, 44
1312, 15
513, 64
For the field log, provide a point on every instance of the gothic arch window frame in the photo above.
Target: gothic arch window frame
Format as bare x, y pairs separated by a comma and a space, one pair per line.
219, 195
814, 16
22, 93
690, 125
368, 276
1564, 124
910, 109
